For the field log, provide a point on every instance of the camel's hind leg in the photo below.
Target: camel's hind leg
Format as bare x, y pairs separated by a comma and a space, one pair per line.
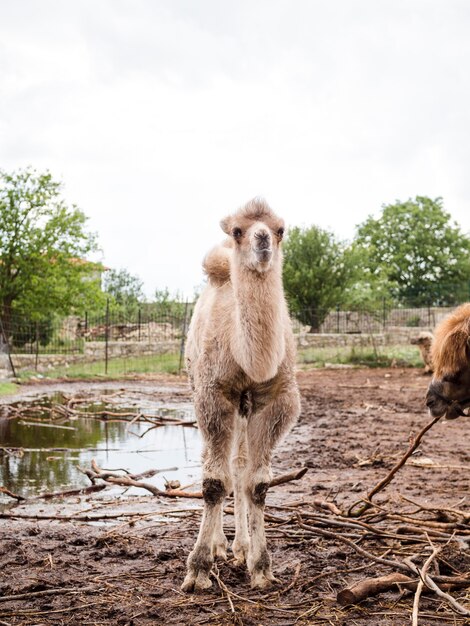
215, 417
264, 431
241, 542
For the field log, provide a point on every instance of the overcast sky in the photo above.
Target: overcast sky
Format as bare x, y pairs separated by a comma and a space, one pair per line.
162, 116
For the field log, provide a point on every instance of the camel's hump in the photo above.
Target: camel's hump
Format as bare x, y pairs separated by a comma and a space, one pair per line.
217, 263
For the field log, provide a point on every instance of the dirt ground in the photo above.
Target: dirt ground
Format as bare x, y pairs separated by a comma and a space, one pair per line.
127, 570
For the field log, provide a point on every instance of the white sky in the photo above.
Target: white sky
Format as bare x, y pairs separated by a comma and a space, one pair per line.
161, 116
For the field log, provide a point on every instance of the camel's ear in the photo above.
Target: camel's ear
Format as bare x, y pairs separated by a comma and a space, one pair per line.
226, 225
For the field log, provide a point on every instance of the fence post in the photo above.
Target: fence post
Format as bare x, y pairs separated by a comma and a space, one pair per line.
183, 337
106, 337
139, 322
384, 313
337, 319
36, 360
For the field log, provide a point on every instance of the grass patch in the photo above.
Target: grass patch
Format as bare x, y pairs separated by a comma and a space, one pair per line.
7, 388
384, 356
151, 364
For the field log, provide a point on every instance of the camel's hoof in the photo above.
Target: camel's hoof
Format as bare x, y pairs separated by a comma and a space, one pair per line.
196, 581
240, 552
262, 579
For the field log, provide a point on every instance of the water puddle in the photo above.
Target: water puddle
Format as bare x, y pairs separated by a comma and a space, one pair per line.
40, 450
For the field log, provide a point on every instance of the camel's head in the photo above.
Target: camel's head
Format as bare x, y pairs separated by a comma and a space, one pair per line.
423, 339
257, 233
449, 391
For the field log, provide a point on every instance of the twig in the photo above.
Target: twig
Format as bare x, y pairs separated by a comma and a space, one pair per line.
419, 588
329, 506
45, 592
438, 591
286, 478
223, 586
367, 502
15, 496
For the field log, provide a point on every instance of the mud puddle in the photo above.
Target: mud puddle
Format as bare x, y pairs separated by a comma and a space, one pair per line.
44, 440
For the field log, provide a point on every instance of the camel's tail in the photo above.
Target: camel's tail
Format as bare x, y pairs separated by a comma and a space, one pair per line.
217, 264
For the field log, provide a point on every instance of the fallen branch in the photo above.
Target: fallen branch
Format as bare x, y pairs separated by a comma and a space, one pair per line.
15, 496
372, 587
286, 478
366, 503
45, 592
431, 584
405, 567
130, 480
328, 506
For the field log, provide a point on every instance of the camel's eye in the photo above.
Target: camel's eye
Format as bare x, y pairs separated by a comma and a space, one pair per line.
237, 232
451, 378
280, 233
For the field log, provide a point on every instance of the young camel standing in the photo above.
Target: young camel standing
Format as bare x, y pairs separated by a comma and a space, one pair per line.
241, 361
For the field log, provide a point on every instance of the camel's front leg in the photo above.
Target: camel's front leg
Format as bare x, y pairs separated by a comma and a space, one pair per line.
264, 431
242, 540
215, 418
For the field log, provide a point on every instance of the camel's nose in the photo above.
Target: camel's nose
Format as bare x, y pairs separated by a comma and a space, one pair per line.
263, 240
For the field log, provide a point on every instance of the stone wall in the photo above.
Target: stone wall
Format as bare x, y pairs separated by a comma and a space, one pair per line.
395, 335
94, 351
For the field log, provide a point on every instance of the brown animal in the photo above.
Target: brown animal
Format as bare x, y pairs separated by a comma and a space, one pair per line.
424, 342
449, 391
241, 362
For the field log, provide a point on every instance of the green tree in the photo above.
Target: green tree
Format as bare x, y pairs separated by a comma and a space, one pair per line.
168, 305
317, 271
125, 290
417, 246
43, 249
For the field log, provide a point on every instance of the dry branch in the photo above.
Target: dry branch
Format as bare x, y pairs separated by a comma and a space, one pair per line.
15, 496
419, 588
131, 480
372, 587
366, 503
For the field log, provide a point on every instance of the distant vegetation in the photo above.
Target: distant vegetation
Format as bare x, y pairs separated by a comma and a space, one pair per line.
412, 254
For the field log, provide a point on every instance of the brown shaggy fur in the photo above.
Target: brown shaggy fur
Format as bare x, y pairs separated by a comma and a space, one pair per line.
450, 348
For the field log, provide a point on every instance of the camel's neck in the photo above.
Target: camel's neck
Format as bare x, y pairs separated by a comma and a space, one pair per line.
258, 339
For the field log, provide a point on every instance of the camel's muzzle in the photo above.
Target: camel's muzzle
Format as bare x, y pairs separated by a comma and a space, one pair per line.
438, 404
263, 255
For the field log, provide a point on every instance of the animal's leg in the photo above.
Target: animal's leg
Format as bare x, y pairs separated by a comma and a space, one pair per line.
215, 417
264, 431
241, 541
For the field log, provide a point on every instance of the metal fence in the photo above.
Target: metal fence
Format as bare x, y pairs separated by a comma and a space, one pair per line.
368, 320
146, 334
152, 337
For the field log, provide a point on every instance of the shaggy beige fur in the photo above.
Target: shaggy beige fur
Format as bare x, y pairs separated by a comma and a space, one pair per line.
424, 342
241, 361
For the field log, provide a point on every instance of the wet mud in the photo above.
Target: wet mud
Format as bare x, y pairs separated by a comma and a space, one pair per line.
111, 558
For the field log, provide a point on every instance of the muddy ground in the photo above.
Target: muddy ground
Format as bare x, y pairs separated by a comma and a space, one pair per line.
127, 570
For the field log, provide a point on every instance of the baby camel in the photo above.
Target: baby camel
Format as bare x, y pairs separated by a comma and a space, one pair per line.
449, 391
241, 361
